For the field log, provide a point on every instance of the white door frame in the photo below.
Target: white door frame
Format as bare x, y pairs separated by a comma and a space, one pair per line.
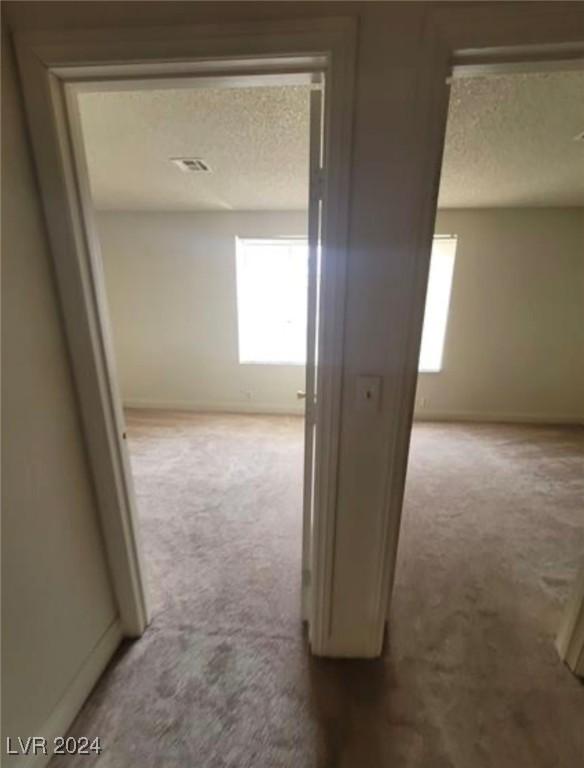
570, 638
449, 55
52, 63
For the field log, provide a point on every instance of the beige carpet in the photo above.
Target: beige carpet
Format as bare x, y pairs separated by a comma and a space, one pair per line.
493, 529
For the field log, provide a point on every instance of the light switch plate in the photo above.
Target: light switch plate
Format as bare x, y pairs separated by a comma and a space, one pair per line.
368, 393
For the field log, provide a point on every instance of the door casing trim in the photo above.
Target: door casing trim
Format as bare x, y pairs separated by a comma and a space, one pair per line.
52, 65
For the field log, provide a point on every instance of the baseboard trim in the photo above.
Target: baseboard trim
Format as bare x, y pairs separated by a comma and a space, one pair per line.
499, 418
570, 639
68, 706
205, 407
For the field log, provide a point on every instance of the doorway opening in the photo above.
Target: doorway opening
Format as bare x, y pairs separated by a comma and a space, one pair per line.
299, 55
206, 199
492, 528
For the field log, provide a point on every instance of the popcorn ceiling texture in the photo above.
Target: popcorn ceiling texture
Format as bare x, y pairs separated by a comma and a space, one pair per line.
254, 139
510, 142
492, 533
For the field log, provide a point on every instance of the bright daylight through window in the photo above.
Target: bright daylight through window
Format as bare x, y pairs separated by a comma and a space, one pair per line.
437, 304
272, 282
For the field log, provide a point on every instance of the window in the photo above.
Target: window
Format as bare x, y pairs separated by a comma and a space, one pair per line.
272, 285
437, 303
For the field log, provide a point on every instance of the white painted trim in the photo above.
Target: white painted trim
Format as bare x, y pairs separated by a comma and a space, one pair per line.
194, 80
498, 417
201, 406
335, 215
431, 112
52, 63
565, 57
66, 709
446, 47
463, 71
570, 639
73, 246
315, 197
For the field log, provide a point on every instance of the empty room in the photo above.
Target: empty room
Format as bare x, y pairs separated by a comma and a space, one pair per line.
493, 524
200, 198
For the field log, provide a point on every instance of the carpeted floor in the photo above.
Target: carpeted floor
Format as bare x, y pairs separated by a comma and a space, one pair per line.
493, 528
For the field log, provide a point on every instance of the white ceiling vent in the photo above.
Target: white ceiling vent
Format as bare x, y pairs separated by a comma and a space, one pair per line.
191, 164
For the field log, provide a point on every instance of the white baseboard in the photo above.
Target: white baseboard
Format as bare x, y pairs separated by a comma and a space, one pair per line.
67, 708
206, 407
292, 410
570, 639
500, 418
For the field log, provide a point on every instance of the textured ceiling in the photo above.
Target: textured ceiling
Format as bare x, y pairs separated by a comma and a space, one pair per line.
254, 139
509, 143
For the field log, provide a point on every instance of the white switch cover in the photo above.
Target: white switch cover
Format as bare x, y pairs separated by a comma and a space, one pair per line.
368, 393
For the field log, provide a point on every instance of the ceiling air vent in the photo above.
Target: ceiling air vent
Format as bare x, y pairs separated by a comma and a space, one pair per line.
191, 164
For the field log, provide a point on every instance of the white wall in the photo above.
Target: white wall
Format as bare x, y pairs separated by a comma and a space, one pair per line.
170, 280
514, 346
515, 340
397, 128
56, 598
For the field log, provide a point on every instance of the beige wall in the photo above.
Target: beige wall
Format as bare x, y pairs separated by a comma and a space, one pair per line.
170, 281
56, 598
515, 341
397, 127
514, 345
